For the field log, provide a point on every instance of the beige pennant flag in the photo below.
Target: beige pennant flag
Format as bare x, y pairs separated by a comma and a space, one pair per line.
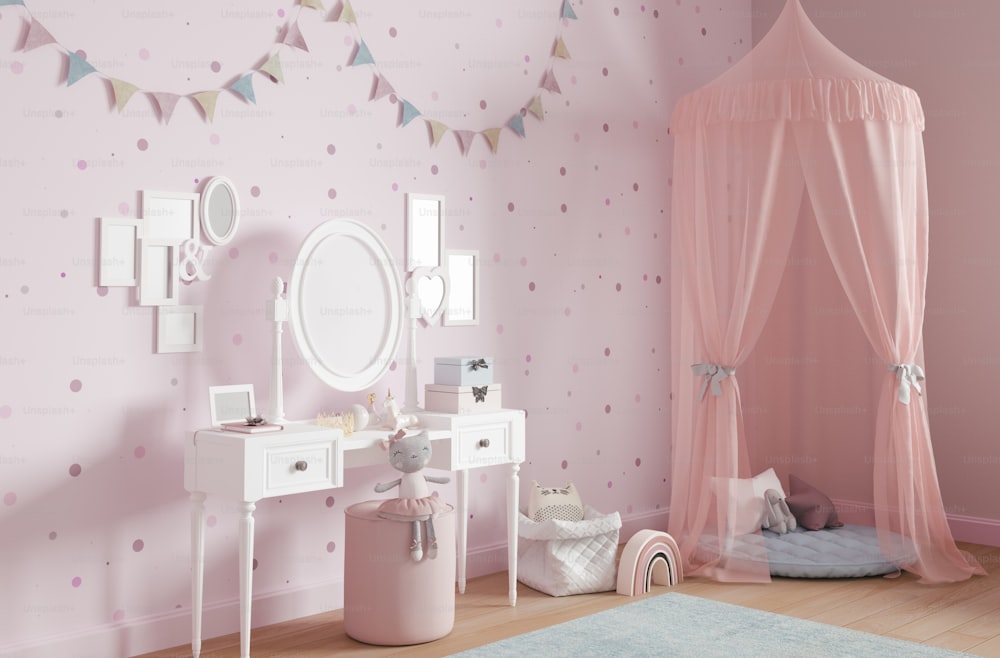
536, 108
207, 100
347, 14
493, 137
438, 130
272, 67
123, 91
560, 49
313, 4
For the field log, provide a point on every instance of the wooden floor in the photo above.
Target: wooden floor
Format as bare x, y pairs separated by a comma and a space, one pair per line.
963, 617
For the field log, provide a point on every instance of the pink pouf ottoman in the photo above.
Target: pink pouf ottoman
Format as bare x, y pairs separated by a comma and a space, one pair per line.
390, 599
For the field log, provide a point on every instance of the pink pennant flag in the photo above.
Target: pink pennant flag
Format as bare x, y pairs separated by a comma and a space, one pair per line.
206, 100
37, 36
166, 102
465, 140
382, 87
493, 137
293, 37
549, 82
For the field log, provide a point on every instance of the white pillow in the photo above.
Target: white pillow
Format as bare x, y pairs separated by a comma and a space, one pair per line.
743, 500
562, 503
767, 480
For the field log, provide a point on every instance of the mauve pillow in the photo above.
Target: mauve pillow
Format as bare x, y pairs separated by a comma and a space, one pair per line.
811, 508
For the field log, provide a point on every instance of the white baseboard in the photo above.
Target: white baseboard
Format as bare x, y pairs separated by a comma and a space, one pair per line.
972, 529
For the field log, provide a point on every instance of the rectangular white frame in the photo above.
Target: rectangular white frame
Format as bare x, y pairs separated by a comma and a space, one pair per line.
170, 215
417, 223
459, 292
118, 257
216, 408
159, 278
167, 341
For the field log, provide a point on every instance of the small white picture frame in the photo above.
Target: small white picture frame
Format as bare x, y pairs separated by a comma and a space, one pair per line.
170, 215
231, 404
425, 217
463, 288
159, 276
119, 263
179, 329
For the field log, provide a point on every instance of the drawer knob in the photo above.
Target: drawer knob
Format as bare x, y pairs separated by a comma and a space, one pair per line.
301, 465
484, 443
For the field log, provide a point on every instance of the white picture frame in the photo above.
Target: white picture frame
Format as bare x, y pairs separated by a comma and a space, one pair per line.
179, 329
424, 231
170, 215
159, 276
119, 243
231, 403
463, 288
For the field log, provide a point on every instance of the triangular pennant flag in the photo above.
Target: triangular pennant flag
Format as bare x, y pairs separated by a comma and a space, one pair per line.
123, 92
207, 100
464, 140
37, 36
560, 49
493, 137
272, 67
166, 102
244, 87
362, 56
382, 87
536, 108
549, 82
409, 113
11, 2
347, 14
516, 124
294, 38
78, 68
567, 10
438, 130
313, 4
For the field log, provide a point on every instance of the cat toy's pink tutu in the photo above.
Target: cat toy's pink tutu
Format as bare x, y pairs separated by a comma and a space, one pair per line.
410, 509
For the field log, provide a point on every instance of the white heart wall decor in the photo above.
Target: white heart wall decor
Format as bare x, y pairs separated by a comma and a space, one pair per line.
430, 287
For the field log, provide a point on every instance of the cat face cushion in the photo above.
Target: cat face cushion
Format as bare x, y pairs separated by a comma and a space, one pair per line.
561, 503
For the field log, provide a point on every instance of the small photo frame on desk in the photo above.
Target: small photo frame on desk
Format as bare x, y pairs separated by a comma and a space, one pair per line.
231, 404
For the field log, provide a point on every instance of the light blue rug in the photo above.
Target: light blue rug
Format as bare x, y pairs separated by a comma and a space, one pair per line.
675, 624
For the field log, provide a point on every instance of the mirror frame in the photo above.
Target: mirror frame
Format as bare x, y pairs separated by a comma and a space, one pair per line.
381, 361
412, 201
215, 185
456, 289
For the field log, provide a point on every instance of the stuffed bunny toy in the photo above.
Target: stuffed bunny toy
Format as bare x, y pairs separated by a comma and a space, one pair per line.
409, 454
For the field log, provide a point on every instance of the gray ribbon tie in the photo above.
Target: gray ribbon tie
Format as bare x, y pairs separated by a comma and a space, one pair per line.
713, 375
909, 375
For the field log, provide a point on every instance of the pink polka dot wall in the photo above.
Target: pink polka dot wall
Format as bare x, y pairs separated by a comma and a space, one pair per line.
570, 220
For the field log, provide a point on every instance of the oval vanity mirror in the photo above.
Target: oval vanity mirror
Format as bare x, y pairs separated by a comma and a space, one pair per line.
346, 304
220, 210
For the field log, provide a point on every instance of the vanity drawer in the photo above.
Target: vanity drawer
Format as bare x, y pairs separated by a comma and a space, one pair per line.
302, 467
483, 445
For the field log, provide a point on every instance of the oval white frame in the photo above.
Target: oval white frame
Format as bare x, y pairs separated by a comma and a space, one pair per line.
215, 185
346, 304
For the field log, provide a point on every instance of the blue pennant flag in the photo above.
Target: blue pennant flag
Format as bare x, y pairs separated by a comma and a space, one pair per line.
516, 124
78, 68
244, 87
567, 10
363, 56
409, 112
11, 2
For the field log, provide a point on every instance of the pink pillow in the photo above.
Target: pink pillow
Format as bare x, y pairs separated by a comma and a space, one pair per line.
811, 508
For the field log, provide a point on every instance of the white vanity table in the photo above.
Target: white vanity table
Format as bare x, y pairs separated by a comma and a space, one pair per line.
305, 457
346, 309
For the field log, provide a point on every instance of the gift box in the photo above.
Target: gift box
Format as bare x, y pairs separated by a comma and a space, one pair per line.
463, 370
462, 399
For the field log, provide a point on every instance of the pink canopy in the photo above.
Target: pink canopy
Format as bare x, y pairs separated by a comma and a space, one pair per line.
797, 116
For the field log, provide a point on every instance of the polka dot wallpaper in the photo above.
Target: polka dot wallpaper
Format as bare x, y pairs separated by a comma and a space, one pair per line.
571, 222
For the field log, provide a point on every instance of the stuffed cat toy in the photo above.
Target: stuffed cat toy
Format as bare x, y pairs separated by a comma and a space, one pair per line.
409, 454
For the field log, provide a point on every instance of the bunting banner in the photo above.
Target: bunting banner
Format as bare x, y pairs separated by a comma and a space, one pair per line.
290, 36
